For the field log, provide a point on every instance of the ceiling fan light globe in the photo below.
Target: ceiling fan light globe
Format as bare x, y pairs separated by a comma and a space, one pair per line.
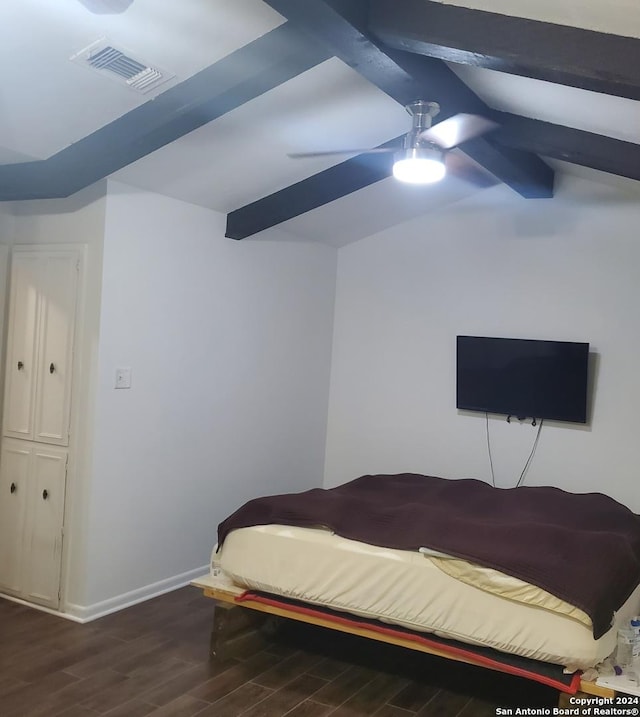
418, 166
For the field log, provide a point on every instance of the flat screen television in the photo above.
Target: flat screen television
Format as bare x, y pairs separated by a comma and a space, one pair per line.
523, 377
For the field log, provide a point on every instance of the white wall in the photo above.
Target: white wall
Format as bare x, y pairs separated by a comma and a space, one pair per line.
229, 345
564, 269
77, 220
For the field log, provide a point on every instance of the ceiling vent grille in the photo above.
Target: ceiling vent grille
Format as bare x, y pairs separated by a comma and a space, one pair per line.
107, 59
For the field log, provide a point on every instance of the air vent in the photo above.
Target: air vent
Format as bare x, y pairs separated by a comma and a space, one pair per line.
113, 62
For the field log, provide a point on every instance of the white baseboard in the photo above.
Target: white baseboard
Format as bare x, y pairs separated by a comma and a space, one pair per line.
87, 613
41, 608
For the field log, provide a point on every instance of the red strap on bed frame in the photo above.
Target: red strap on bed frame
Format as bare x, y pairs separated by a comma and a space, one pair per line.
571, 688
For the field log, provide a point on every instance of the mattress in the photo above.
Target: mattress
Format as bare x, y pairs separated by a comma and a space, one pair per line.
409, 589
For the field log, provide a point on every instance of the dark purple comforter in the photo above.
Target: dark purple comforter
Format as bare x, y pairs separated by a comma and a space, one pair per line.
584, 548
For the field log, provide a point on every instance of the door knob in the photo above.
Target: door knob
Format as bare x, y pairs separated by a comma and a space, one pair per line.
45, 494
20, 365
13, 488
52, 368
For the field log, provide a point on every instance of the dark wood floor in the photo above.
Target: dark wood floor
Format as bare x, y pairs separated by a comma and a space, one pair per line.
152, 659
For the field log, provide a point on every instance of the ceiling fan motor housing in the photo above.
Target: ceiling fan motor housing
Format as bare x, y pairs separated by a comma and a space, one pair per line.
422, 114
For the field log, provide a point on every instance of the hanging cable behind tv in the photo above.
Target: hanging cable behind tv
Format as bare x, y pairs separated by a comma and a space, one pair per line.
529, 460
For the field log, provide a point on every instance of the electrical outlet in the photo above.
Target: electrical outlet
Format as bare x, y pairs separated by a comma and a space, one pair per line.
123, 378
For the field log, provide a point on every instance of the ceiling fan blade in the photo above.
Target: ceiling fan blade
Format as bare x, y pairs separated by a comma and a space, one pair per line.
328, 153
106, 7
457, 129
460, 166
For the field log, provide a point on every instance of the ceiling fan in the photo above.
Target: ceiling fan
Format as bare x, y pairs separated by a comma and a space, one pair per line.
106, 7
424, 157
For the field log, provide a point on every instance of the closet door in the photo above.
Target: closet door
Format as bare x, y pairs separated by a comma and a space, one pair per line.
14, 489
45, 515
58, 289
22, 369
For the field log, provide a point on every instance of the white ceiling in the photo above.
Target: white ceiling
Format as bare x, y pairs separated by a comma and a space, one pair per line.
590, 111
48, 102
243, 155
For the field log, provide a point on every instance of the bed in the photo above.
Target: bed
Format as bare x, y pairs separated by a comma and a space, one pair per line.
445, 559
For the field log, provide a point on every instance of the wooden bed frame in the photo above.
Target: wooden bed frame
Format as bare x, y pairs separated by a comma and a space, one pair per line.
237, 625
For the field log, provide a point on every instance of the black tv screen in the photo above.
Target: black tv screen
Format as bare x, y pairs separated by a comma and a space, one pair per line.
523, 377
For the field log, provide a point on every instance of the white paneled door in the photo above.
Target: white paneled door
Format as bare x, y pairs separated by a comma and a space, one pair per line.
55, 347
43, 525
14, 487
22, 356
40, 345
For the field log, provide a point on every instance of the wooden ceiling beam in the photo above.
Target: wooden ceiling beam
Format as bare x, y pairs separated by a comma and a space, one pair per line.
587, 149
572, 56
315, 191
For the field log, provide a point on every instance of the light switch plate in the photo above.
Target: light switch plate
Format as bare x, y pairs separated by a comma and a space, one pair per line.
123, 378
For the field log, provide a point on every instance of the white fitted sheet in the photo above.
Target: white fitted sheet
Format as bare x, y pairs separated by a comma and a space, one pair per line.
405, 588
